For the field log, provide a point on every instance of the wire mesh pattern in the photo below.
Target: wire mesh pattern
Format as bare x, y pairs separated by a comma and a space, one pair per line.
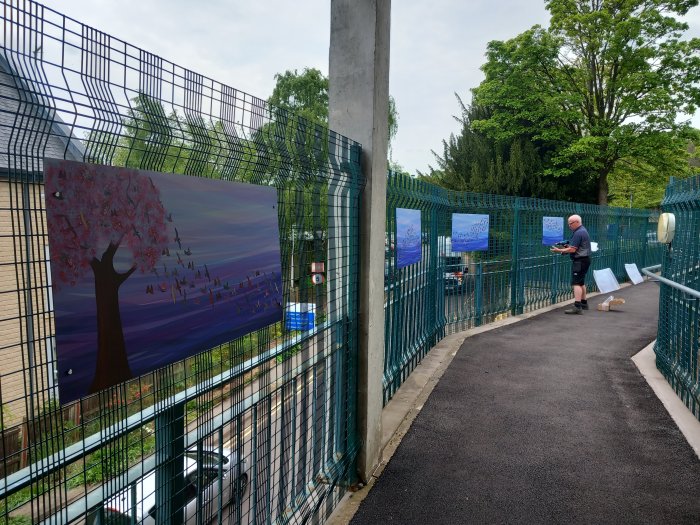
451, 291
258, 430
678, 342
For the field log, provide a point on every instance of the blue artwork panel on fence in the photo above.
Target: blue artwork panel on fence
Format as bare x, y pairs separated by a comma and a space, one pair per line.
552, 230
408, 237
470, 232
149, 268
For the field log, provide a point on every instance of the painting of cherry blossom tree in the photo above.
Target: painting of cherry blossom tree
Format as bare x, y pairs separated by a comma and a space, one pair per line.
149, 268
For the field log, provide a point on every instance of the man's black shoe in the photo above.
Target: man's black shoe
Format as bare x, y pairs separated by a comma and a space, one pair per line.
574, 311
584, 306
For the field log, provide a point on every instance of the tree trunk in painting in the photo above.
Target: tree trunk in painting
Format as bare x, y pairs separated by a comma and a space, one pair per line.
112, 363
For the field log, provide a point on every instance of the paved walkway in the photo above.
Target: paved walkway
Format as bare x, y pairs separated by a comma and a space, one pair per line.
544, 421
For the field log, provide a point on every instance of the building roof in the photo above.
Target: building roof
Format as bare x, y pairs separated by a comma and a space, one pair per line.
61, 141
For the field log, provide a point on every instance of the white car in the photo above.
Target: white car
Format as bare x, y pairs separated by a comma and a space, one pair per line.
118, 509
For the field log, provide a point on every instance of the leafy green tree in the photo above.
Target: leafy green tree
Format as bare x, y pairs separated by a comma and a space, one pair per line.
152, 139
306, 94
295, 146
636, 183
694, 149
294, 143
473, 161
398, 168
606, 81
393, 124
147, 138
188, 143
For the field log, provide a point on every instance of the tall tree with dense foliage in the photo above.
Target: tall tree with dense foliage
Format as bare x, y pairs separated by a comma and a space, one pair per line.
473, 161
635, 183
606, 82
296, 138
306, 94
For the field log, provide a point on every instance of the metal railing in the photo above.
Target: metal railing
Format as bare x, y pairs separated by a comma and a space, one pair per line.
678, 341
446, 291
281, 399
673, 284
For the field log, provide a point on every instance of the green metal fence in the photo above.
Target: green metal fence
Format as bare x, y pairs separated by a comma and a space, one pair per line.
258, 430
446, 291
677, 345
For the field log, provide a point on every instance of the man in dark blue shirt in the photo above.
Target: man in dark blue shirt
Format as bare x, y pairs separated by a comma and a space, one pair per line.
579, 249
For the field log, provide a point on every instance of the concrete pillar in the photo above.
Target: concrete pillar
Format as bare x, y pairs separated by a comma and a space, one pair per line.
359, 109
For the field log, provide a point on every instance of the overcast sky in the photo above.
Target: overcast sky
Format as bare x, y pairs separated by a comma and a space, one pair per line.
437, 48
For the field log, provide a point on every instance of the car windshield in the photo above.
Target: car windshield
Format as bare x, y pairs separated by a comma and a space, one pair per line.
209, 457
199, 480
109, 518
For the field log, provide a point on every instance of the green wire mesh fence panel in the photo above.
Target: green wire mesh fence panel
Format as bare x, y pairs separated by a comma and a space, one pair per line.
541, 277
544, 278
485, 291
677, 345
410, 292
515, 273
259, 429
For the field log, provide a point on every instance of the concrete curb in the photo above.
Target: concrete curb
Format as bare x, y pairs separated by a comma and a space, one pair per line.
687, 423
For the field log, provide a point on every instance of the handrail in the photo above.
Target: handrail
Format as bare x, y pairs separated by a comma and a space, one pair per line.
673, 284
42, 467
113, 486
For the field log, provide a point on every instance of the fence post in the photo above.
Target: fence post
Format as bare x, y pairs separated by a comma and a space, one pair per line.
358, 105
437, 330
555, 277
479, 293
170, 464
617, 270
514, 263
521, 289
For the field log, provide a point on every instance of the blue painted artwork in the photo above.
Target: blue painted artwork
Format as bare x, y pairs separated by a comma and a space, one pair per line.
148, 269
408, 237
552, 230
470, 232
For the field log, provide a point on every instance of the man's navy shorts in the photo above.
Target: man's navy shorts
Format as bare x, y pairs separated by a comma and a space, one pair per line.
579, 268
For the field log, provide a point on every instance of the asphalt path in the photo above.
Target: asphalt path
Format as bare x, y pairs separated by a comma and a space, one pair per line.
545, 421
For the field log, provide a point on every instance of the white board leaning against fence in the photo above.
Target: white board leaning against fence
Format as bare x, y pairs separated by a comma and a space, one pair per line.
605, 280
633, 273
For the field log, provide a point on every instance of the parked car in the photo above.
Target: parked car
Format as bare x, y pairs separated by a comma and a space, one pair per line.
118, 509
457, 277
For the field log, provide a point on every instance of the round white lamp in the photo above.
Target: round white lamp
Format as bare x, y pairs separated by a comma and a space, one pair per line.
667, 228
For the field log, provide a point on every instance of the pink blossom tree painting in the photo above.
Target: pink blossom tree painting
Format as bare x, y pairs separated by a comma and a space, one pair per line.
93, 217
150, 268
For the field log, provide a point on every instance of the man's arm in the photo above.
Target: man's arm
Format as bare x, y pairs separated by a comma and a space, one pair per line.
568, 249
574, 244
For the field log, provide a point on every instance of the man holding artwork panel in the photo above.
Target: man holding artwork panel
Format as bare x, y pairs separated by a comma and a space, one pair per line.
579, 249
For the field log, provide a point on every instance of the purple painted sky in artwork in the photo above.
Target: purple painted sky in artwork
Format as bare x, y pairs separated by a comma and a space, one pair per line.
232, 228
